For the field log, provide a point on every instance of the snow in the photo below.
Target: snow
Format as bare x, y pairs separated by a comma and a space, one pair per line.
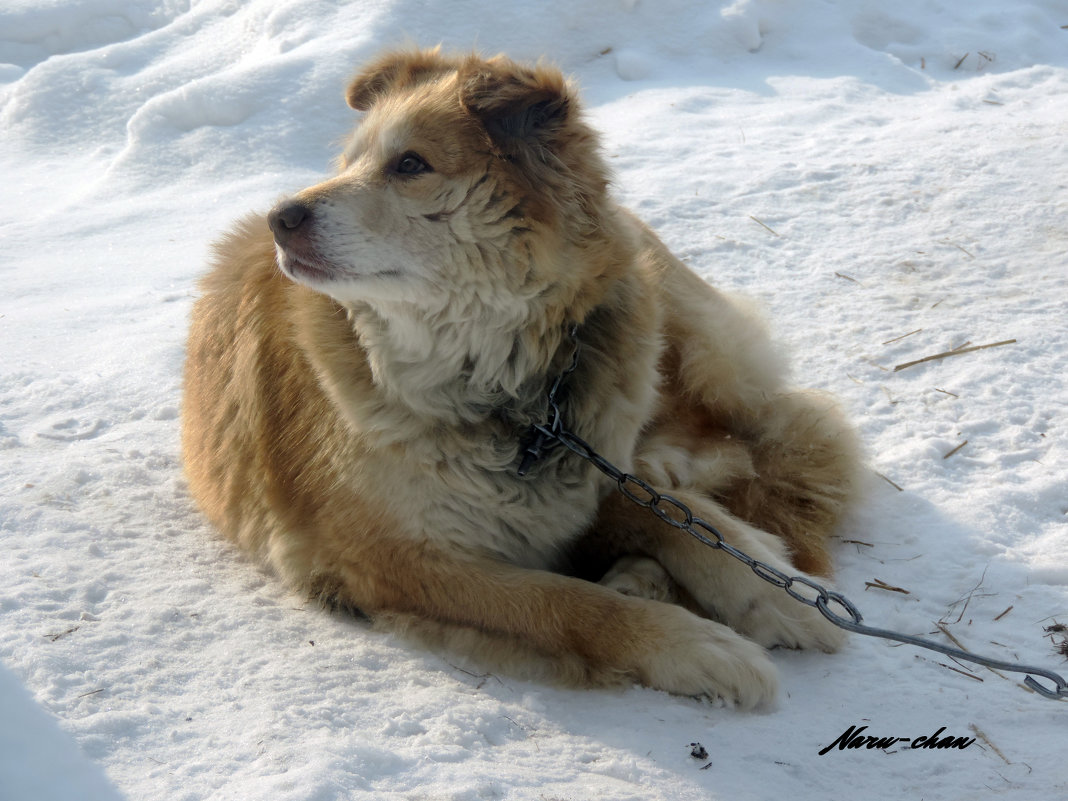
865, 170
37, 760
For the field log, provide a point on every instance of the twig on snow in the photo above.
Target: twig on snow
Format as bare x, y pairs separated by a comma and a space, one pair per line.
888, 481
58, 635
950, 667
879, 584
982, 736
956, 352
955, 449
945, 630
895, 339
958, 247
762, 225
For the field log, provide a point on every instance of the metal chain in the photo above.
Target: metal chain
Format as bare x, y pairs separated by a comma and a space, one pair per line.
544, 437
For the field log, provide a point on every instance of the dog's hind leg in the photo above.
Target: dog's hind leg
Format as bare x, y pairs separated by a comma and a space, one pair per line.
724, 392
805, 473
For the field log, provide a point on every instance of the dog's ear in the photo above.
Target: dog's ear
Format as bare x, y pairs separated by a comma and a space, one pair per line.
518, 106
394, 70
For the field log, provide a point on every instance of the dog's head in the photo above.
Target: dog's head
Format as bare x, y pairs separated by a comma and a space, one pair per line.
465, 177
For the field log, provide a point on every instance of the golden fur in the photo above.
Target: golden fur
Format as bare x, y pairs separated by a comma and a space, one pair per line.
358, 388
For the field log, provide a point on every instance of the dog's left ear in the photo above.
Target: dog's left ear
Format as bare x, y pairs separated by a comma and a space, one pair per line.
518, 106
395, 70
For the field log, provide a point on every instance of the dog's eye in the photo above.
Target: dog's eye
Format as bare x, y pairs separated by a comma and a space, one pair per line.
411, 164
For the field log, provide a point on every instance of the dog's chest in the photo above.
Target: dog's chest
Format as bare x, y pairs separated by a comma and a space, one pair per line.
464, 491
446, 456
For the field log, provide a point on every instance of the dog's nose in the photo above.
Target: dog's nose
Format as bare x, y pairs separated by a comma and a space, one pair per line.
286, 218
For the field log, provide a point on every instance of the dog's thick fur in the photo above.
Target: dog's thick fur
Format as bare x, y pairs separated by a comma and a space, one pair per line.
356, 417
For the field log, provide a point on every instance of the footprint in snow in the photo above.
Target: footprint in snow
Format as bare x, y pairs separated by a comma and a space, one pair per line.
72, 430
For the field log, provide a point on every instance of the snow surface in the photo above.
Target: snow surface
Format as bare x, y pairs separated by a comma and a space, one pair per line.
890, 180
37, 760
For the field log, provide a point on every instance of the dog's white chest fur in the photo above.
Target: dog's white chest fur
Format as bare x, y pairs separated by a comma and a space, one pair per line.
457, 406
524, 521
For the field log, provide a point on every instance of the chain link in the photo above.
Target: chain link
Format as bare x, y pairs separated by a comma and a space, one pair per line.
544, 437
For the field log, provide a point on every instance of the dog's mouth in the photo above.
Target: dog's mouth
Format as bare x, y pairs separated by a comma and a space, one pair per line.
305, 267
312, 269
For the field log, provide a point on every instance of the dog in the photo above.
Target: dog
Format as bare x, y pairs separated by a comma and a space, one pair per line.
366, 362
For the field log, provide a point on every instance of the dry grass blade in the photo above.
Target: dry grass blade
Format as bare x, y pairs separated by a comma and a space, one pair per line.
955, 449
942, 628
956, 352
961, 672
967, 599
896, 339
950, 667
879, 584
888, 481
1003, 614
982, 736
958, 247
59, 635
763, 225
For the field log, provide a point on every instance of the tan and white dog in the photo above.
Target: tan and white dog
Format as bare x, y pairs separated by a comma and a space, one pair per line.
366, 361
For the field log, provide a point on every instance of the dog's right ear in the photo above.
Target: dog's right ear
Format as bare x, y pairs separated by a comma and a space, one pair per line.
519, 106
393, 71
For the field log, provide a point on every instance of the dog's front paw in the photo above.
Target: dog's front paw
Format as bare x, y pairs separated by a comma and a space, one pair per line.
698, 657
776, 619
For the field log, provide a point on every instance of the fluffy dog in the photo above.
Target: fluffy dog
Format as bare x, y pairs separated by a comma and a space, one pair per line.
366, 362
